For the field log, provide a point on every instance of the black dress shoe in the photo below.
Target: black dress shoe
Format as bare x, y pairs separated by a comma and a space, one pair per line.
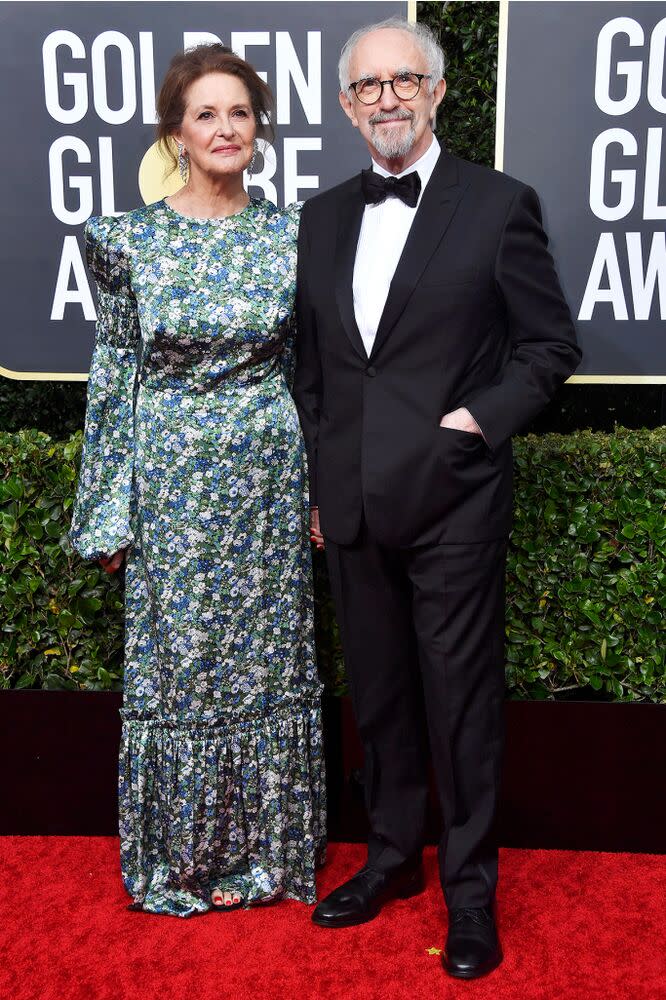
362, 897
472, 945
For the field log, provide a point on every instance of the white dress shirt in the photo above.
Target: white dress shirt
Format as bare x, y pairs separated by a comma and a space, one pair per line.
384, 231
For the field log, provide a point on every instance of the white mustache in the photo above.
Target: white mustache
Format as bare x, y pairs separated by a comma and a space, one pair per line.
400, 114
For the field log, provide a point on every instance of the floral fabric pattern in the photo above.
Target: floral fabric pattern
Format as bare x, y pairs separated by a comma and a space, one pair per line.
199, 468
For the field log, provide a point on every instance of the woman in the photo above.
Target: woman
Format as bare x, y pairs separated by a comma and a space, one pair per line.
193, 474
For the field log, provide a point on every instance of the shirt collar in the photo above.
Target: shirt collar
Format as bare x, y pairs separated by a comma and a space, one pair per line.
424, 165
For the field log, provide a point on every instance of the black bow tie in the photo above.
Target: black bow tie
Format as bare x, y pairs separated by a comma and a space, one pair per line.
376, 188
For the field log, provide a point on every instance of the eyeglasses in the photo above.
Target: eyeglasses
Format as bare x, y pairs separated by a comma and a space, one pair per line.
405, 86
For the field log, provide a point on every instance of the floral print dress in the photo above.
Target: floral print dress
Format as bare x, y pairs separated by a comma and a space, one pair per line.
197, 465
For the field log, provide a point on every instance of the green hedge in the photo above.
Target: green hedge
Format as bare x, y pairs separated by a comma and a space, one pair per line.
587, 565
468, 34
61, 617
586, 581
56, 408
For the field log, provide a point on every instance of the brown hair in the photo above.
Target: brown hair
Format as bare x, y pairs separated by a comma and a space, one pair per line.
189, 66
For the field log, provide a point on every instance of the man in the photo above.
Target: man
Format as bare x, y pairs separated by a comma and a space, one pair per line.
431, 328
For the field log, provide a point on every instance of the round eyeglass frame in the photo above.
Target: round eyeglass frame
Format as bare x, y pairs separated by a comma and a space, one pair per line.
382, 83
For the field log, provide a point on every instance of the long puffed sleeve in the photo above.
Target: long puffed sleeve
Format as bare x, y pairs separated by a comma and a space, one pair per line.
101, 523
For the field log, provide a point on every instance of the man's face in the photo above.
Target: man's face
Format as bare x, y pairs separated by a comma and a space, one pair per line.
395, 129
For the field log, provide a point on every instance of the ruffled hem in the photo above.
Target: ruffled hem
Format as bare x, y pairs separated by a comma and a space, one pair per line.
235, 804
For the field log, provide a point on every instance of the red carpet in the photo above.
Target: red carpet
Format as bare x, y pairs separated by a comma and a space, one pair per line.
575, 926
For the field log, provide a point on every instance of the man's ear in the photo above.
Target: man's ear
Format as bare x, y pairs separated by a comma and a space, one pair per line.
437, 97
348, 108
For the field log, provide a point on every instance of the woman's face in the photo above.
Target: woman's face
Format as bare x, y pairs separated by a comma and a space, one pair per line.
218, 126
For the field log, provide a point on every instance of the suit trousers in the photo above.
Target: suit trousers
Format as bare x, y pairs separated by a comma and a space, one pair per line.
423, 638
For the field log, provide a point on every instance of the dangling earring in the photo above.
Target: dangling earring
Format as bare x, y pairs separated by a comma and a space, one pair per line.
251, 165
183, 162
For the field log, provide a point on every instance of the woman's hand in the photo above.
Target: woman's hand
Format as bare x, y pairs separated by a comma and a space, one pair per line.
112, 563
315, 531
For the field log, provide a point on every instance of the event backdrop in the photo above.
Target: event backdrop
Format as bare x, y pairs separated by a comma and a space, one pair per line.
77, 120
581, 106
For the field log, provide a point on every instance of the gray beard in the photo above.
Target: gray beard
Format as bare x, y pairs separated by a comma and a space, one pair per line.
393, 147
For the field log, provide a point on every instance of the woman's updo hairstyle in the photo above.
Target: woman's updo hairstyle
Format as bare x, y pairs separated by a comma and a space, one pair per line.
188, 67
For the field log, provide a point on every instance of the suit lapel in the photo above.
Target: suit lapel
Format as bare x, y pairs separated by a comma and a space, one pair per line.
433, 216
349, 228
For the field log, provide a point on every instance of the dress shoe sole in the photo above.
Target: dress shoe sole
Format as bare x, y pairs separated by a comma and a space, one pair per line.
414, 887
472, 974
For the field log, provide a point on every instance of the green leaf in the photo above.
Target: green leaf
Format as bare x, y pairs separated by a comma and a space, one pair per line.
89, 605
56, 682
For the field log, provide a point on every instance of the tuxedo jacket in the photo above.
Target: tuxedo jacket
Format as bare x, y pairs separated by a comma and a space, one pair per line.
474, 317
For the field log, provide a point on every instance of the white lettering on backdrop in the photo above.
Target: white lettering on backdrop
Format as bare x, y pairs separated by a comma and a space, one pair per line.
620, 85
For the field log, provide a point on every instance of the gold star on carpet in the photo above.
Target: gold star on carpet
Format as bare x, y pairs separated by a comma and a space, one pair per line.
433, 951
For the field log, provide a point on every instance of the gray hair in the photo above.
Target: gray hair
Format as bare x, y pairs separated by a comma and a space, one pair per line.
421, 34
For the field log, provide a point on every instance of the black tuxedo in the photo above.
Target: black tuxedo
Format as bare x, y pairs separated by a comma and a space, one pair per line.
475, 317
415, 516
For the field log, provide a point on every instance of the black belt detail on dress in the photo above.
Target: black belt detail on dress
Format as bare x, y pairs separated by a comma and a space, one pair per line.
267, 352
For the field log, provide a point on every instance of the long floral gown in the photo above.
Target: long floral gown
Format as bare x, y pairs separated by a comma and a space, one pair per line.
199, 468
